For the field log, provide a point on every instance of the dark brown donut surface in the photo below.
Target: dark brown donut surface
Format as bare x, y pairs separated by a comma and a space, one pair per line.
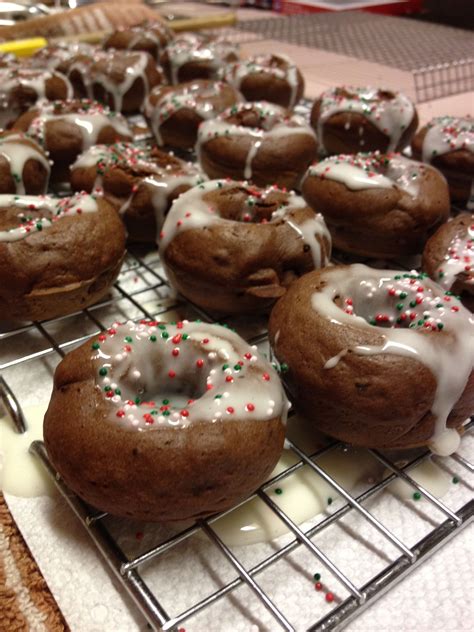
56, 256
377, 205
233, 248
24, 166
362, 369
260, 142
348, 120
150, 37
448, 257
175, 112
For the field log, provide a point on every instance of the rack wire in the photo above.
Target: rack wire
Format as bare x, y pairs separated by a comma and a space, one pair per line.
147, 275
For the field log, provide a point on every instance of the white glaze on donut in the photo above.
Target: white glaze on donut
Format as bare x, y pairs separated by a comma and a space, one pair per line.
371, 171
155, 32
190, 96
417, 319
191, 48
190, 211
274, 124
162, 181
262, 65
90, 117
17, 153
458, 260
392, 116
155, 374
447, 134
52, 209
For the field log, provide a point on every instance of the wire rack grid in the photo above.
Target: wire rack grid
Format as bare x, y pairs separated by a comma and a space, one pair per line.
142, 286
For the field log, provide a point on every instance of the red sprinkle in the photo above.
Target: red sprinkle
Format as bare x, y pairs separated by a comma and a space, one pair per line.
172, 373
266, 377
318, 586
230, 410
248, 356
175, 352
229, 378
120, 413
185, 413
250, 408
200, 363
176, 339
329, 597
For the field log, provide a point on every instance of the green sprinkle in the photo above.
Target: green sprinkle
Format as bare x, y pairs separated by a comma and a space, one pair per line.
284, 367
397, 277
455, 480
412, 303
166, 402
107, 388
103, 371
118, 391
399, 306
153, 338
137, 400
39, 226
165, 334
128, 339
329, 500
440, 325
185, 336
225, 366
217, 396
317, 577
161, 326
237, 367
166, 413
420, 323
416, 496
95, 345
278, 490
403, 294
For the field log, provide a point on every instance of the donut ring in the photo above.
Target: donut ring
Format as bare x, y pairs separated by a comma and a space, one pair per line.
24, 166
194, 56
257, 141
151, 37
232, 248
348, 120
273, 78
56, 255
175, 112
377, 358
377, 205
170, 421
67, 128
141, 182
21, 88
447, 142
448, 257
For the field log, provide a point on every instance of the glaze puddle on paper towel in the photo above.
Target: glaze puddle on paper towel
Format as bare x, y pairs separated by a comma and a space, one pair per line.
21, 473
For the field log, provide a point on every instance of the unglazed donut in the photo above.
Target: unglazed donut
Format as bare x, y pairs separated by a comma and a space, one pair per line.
260, 141
194, 56
348, 120
141, 182
67, 128
165, 422
233, 248
273, 78
24, 166
151, 37
56, 255
21, 88
449, 257
377, 358
447, 142
377, 205
175, 112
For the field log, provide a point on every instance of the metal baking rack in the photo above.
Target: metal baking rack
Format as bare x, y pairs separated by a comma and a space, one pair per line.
148, 269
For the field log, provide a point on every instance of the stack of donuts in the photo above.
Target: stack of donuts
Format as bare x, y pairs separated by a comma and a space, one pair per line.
244, 196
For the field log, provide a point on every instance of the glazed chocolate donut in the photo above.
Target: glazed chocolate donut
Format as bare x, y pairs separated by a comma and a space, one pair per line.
261, 142
141, 182
67, 128
377, 358
233, 248
175, 112
151, 37
448, 257
24, 167
21, 88
165, 422
56, 255
7, 60
377, 205
120, 79
348, 120
273, 78
58, 56
447, 142
194, 56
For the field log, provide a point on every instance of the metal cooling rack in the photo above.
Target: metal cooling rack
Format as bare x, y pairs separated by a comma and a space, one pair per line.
147, 270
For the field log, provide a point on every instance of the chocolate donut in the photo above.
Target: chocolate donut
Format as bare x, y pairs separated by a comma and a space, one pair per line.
141, 182
21, 88
377, 205
348, 120
377, 358
24, 166
448, 257
151, 37
233, 248
165, 422
273, 78
67, 128
195, 56
175, 112
261, 142
56, 255
58, 56
447, 142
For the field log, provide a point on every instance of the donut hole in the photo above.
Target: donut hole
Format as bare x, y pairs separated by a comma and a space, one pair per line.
256, 118
247, 205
